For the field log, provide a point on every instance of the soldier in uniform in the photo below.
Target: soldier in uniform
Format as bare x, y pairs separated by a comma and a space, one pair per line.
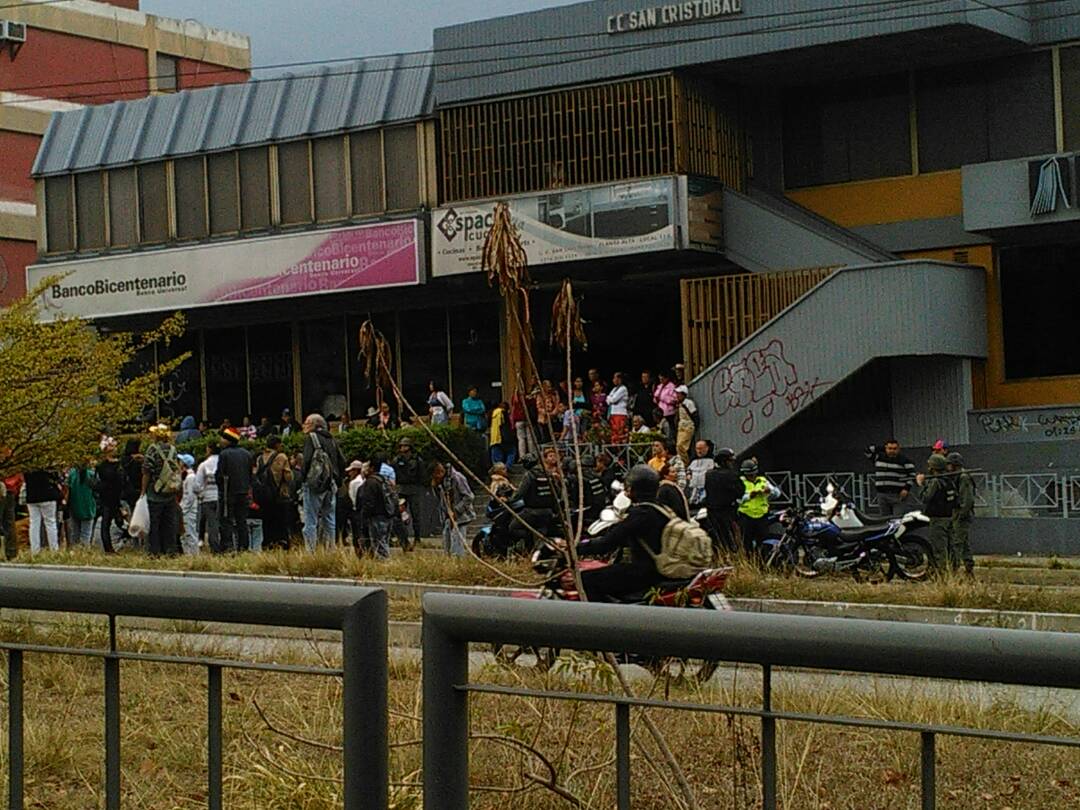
965, 511
939, 503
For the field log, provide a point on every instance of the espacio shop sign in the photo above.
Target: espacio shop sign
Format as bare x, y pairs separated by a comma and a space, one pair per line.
671, 14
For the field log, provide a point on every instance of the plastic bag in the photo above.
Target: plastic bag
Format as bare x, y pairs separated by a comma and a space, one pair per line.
139, 525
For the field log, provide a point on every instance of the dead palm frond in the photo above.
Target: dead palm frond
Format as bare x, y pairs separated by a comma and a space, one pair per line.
567, 327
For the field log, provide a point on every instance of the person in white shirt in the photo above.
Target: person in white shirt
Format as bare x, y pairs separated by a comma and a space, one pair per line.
206, 489
618, 401
703, 462
189, 507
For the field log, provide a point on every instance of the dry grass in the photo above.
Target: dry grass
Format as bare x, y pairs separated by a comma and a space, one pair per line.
163, 735
748, 582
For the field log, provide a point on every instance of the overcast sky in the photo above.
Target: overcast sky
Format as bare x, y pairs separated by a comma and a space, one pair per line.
285, 31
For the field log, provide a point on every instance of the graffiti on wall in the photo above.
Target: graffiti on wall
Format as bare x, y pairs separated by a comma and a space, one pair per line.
1030, 425
762, 385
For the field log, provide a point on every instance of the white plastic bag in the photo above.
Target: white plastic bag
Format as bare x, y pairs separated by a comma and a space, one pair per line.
139, 525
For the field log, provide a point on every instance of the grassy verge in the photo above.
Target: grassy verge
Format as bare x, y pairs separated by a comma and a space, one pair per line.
433, 567
280, 731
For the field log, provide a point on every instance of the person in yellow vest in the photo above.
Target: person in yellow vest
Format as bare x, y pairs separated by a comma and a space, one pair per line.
754, 506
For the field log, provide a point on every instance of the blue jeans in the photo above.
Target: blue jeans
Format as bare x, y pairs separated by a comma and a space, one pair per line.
503, 455
454, 538
379, 535
320, 518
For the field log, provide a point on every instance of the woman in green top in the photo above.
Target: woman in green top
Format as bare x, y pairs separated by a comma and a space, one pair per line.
82, 507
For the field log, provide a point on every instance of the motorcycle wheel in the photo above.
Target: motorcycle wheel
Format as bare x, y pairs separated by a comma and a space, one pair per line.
508, 654
803, 562
874, 571
914, 560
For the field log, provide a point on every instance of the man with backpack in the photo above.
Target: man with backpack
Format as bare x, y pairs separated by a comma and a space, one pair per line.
234, 487
661, 545
321, 473
162, 479
378, 504
270, 488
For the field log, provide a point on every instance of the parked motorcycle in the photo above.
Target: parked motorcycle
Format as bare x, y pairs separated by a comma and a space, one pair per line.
812, 545
701, 592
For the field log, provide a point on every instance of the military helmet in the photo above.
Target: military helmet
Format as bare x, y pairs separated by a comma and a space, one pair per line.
936, 462
955, 459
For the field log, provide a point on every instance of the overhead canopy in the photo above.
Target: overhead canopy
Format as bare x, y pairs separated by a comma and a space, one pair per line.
339, 97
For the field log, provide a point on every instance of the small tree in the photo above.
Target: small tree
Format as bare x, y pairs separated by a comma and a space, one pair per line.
62, 383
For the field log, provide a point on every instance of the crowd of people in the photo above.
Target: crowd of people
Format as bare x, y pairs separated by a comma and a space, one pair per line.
231, 500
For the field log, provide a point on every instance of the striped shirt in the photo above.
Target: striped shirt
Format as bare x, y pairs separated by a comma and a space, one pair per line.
891, 475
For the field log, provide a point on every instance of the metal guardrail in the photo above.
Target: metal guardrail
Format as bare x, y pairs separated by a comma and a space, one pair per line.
1018, 657
360, 613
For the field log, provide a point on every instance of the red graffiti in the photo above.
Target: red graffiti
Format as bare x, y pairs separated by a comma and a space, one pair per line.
756, 381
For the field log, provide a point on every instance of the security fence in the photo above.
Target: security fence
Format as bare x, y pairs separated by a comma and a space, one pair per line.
451, 623
360, 613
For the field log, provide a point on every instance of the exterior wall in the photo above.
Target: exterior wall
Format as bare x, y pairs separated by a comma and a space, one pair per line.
935, 196
74, 68
17, 151
15, 255
192, 74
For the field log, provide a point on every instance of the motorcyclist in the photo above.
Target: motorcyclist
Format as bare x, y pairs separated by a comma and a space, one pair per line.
535, 503
754, 505
723, 489
644, 524
593, 491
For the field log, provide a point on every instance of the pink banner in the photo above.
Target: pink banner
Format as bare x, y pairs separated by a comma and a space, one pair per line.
383, 255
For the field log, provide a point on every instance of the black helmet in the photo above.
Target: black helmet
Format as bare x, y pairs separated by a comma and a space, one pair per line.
642, 481
724, 455
528, 461
955, 459
749, 467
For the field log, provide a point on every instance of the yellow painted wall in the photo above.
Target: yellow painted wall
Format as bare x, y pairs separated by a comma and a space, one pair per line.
893, 199
933, 196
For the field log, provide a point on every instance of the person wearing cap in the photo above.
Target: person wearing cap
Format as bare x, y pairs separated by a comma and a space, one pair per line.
234, 486
686, 423
162, 480
411, 483
941, 448
189, 507
754, 505
960, 540
939, 502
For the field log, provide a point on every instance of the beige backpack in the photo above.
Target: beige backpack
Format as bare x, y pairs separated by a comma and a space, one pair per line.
685, 547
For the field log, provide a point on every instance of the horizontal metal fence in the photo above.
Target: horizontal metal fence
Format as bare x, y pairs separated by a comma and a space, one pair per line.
360, 613
1028, 495
452, 622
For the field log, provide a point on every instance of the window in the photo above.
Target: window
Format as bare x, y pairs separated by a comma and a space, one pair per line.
123, 208
1070, 96
1039, 301
90, 210
322, 366
857, 130
226, 375
167, 74
224, 195
271, 359
975, 113
153, 203
255, 188
330, 179
189, 176
294, 178
365, 149
59, 215
401, 159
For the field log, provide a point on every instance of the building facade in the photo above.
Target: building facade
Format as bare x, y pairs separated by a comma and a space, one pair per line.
78, 53
853, 220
